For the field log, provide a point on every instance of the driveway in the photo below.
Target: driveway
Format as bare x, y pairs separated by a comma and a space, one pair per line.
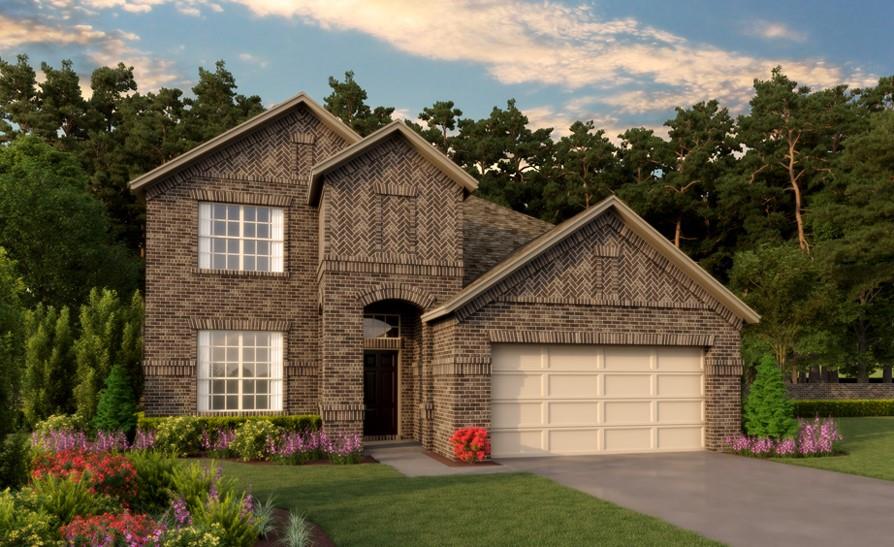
736, 500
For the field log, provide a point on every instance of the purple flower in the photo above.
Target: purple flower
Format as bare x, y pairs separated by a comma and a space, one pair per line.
181, 513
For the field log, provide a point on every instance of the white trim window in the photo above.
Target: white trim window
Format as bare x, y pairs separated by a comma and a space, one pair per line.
246, 238
240, 371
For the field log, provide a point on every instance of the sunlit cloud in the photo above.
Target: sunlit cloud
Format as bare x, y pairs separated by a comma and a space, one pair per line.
773, 30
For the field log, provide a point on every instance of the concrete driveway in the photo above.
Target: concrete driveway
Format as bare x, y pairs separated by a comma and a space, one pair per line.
736, 500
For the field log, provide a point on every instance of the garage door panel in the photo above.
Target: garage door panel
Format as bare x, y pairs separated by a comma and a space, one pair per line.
679, 438
510, 357
517, 443
573, 413
680, 412
628, 440
518, 386
573, 386
572, 358
573, 441
680, 359
517, 414
577, 399
680, 385
628, 385
628, 412
627, 358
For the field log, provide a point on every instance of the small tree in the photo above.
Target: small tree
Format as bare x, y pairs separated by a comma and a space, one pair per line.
116, 408
767, 411
47, 377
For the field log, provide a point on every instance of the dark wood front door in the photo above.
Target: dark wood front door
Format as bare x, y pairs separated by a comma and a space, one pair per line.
380, 393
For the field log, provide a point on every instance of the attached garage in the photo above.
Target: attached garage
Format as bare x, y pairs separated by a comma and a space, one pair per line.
584, 399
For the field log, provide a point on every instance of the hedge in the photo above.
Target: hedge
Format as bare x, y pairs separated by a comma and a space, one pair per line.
844, 408
300, 422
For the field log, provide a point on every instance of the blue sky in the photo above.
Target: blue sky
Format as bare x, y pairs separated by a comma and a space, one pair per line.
617, 62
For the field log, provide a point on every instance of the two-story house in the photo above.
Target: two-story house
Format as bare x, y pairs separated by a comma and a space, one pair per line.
295, 267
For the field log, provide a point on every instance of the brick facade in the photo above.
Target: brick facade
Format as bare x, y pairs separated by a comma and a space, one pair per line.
393, 232
840, 391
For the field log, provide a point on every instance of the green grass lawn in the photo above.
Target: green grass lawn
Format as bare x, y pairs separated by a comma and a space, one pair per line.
372, 504
869, 447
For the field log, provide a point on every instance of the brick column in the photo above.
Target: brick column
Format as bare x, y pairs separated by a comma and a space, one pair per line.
723, 399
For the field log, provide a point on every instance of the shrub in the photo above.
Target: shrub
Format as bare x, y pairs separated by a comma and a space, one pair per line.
178, 435
105, 473
767, 410
15, 456
193, 536
814, 438
62, 498
308, 422
233, 512
297, 447
342, 450
193, 482
114, 529
850, 408
65, 440
252, 439
470, 444
116, 407
217, 443
20, 526
155, 475
297, 532
61, 422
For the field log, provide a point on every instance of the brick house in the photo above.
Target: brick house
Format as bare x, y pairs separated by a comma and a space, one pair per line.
295, 267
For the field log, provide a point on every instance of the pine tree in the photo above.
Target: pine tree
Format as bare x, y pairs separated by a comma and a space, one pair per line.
767, 411
116, 408
46, 382
96, 348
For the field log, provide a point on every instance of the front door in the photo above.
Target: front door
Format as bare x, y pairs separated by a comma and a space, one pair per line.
380, 393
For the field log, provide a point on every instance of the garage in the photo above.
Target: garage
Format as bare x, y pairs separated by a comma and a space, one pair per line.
552, 399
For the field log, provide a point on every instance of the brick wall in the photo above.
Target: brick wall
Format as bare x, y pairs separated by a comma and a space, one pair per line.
840, 391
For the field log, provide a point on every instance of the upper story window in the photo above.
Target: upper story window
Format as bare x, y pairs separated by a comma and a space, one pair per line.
245, 238
381, 325
240, 371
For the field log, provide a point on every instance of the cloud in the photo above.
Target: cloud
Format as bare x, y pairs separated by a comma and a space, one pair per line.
773, 30
17, 32
560, 120
254, 60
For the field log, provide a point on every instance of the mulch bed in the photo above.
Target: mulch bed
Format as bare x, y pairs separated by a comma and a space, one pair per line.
452, 463
319, 538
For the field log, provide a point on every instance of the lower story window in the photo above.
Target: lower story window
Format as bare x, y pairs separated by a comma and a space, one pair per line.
240, 371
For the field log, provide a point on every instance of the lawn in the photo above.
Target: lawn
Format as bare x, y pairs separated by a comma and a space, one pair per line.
372, 504
869, 447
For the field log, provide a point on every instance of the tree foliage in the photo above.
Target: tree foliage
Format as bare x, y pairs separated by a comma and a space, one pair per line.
11, 289
348, 102
117, 407
767, 411
47, 377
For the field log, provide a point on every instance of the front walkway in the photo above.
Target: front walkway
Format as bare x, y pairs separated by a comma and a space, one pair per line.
411, 460
737, 500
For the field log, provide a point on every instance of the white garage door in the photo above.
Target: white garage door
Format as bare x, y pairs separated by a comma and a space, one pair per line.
558, 399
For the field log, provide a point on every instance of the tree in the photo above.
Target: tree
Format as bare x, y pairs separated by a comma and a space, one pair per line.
57, 232
787, 288
217, 106
130, 353
582, 170
348, 102
19, 101
117, 407
506, 156
11, 289
440, 119
854, 218
96, 348
47, 378
767, 411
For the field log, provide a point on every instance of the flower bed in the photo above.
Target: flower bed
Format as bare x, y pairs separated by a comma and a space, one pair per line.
470, 444
817, 437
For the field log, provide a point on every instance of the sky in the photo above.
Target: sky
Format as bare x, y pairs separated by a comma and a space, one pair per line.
619, 63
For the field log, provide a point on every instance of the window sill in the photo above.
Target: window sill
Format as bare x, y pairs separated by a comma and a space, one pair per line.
238, 273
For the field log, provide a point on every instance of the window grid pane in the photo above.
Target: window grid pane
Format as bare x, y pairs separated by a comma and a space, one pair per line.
240, 372
241, 237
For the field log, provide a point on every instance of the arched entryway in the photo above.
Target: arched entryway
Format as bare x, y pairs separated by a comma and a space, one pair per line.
392, 355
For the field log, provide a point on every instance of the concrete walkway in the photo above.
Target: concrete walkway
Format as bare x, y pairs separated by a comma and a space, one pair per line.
736, 500
412, 461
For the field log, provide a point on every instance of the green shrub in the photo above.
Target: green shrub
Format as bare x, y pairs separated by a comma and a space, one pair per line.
61, 422
15, 457
116, 408
155, 474
63, 498
194, 536
19, 526
178, 435
844, 408
767, 411
193, 481
298, 532
227, 511
252, 438
298, 422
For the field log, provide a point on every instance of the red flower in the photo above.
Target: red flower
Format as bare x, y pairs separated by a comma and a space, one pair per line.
107, 473
470, 444
124, 527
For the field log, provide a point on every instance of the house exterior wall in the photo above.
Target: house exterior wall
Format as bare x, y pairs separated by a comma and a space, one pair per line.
602, 285
268, 167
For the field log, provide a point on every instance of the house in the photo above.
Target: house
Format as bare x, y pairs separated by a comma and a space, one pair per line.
295, 267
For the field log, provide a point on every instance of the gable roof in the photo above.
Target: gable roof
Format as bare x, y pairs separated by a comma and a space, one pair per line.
633, 221
421, 145
187, 158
